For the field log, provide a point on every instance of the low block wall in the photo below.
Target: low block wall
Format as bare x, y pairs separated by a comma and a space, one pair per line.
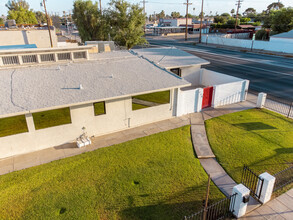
21, 37
248, 44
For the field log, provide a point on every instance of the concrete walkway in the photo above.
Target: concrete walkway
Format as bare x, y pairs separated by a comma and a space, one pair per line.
204, 152
278, 208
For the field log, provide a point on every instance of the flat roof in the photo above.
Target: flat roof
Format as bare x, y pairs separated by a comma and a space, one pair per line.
170, 57
107, 76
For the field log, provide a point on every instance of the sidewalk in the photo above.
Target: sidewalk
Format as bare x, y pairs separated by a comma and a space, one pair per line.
278, 208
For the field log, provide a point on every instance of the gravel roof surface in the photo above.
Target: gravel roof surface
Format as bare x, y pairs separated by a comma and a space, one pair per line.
109, 75
169, 57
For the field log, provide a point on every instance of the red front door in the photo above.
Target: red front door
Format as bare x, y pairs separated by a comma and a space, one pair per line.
207, 97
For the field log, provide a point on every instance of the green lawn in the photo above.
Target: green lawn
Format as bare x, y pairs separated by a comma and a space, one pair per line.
157, 97
13, 125
138, 106
51, 118
99, 108
155, 177
261, 139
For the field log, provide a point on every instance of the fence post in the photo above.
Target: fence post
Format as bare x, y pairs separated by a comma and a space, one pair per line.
241, 200
261, 99
267, 187
290, 110
207, 199
198, 99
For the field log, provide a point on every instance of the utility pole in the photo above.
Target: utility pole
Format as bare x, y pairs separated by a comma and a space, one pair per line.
237, 11
200, 26
100, 6
186, 27
48, 23
143, 2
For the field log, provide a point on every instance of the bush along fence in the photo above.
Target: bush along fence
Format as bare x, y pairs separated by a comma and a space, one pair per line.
282, 107
260, 187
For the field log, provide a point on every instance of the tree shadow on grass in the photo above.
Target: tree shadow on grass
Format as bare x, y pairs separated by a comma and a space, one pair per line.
251, 126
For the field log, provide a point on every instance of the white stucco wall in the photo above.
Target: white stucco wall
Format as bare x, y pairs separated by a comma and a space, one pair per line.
229, 93
191, 74
210, 78
273, 45
227, 89
189, 101
20, 37
118, 115
281, 40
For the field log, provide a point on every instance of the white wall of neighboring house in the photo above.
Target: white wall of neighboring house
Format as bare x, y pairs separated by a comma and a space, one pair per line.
276, 46
175, 22
281, 40
119, 116
29, 36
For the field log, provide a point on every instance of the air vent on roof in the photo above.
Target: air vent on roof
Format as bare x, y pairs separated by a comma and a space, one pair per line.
47, 57
10, 60
64, 56
29, 59
79, 55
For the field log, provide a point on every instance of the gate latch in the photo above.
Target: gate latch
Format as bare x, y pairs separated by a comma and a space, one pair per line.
246, 199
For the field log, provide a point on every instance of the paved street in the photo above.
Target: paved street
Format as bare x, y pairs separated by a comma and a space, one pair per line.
271, 74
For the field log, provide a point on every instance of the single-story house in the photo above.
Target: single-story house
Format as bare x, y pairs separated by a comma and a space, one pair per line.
55, 95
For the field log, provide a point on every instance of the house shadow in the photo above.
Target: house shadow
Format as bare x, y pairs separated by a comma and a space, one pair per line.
161, 211
65, 146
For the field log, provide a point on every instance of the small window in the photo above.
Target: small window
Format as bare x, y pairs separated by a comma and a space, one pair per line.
150, 100
177, 71
13, 125
99, 108
52, 118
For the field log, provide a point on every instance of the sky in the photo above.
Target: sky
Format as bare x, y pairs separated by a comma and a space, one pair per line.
210, 6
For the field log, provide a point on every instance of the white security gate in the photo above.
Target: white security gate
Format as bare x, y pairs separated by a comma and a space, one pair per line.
189, 101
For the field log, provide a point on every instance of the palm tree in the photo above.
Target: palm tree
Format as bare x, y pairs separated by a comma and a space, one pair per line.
232, 12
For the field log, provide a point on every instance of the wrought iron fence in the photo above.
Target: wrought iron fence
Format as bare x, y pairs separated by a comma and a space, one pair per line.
280, 106
283, 178
252, 181
219, 210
